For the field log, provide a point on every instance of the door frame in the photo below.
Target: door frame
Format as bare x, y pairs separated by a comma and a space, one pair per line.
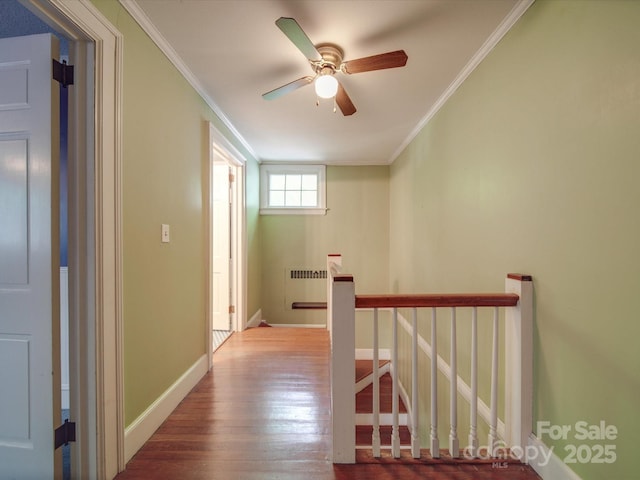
220, 146
95, 234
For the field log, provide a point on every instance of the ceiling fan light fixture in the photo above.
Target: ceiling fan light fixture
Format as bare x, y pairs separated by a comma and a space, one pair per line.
326, 86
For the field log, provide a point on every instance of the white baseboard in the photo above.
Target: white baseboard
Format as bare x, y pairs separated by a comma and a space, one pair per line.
141, 429
547, 464
298, 325
367, 354
255, 320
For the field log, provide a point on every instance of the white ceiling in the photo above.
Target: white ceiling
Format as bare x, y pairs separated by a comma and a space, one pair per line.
232, 51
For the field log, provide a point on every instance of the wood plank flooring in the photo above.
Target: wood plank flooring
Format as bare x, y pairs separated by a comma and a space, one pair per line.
263, 413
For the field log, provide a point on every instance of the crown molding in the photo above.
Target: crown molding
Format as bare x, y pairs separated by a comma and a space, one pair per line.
147, 25
509, 21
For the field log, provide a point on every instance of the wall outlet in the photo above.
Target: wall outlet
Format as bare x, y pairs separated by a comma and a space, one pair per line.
165, 238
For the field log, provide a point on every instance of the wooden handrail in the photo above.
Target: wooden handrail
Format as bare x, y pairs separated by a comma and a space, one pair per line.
438, 300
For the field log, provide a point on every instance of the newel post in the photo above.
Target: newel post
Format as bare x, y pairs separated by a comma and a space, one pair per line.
519, 365
341, 325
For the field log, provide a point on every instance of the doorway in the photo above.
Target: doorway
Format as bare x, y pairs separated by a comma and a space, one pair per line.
226, 241
94, 255
223, 310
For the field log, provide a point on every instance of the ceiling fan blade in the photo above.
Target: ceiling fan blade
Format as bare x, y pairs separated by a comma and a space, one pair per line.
288, 88
344, 102
295, 33
376, 62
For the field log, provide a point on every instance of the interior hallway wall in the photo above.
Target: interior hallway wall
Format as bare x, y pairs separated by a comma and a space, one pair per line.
532, 167
164, 180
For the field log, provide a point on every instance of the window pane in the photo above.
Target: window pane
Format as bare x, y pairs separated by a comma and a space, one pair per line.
276, 199
298, 188
276, 182
309, 199
293, 182
293, 199
309, 182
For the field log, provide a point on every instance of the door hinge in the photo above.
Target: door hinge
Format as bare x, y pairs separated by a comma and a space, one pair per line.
232, 309
232, 178
64, 434
63, 73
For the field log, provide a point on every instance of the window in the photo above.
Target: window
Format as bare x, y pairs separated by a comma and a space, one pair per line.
292, 189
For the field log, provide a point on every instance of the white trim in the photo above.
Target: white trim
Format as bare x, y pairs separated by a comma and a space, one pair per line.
147, 25
96, 277
463, 388
509, 21
225, 147
367, 353
255, 319
222, 147
293, 211
141, 429
555, 469
298, 325
268, 169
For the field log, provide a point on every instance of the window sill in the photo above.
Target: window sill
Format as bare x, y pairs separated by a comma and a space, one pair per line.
293, 211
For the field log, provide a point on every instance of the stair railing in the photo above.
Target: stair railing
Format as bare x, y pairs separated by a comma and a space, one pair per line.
518, 380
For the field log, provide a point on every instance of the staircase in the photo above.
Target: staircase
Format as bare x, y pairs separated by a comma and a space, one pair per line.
364, 407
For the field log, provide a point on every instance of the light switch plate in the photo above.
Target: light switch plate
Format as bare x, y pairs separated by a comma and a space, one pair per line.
166, 238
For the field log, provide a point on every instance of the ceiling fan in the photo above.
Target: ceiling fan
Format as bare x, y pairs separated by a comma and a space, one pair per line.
326, 60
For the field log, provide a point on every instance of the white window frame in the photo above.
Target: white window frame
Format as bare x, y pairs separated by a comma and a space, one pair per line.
266, 170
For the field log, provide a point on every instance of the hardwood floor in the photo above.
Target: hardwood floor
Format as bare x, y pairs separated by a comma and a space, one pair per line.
263, 413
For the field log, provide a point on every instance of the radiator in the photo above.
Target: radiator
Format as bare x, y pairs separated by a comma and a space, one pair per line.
305, 285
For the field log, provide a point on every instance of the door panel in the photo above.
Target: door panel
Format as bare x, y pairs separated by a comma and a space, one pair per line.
13, 198
221, 246
29, 258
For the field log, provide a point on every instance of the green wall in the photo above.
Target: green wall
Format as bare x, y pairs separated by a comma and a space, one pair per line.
532, 166
164, 180
356, 226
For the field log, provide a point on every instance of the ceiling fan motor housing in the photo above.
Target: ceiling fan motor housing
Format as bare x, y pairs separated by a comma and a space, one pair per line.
331, 57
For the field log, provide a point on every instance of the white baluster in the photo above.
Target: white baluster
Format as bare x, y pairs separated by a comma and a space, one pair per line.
454, 447
375, 436
473, 430
493, 424
395, 433
433, 434
415, 436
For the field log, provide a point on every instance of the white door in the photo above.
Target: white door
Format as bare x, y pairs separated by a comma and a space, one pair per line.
221, 234
29, 259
